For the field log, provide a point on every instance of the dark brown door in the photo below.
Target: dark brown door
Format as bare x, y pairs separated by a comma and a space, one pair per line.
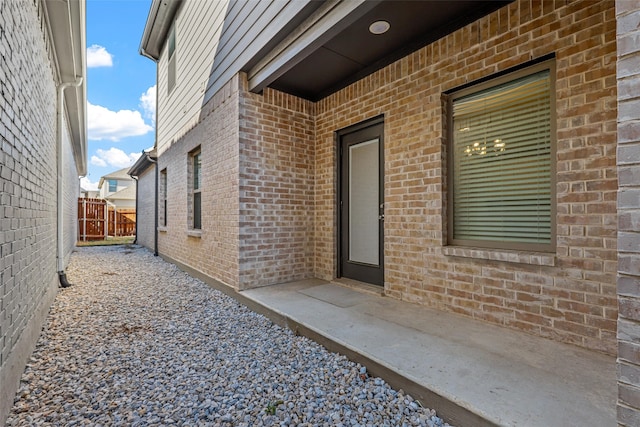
361, 203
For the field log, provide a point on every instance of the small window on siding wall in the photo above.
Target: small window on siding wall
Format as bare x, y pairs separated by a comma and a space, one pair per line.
171, 66
195, 193
501, 183
113, 186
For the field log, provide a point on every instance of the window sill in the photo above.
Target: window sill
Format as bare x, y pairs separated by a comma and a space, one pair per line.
162, 229
518, 257
195, 233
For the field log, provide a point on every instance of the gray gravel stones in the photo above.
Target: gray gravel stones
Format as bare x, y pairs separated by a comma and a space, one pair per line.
137, 342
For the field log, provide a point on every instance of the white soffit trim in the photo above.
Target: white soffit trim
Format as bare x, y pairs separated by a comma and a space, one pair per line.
66, 24
159, 21
326, 22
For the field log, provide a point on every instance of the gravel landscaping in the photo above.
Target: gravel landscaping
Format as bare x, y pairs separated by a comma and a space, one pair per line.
135, 341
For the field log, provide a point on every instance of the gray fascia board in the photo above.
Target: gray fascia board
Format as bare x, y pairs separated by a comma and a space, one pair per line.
148, 29
143, 163
158, 23
320, 27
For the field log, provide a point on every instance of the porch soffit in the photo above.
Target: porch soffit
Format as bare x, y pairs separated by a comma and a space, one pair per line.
334, 47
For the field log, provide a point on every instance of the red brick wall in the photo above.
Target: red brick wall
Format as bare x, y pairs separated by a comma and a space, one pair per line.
277, 163
571, 297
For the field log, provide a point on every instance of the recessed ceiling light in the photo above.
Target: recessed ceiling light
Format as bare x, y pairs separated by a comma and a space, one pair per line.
379, 27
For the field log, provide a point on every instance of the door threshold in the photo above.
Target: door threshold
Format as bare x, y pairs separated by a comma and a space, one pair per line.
359, 286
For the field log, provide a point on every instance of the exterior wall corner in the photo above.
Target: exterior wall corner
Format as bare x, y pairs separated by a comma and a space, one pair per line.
628, 149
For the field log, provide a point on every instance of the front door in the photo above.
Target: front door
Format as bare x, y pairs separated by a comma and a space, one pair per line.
361, 204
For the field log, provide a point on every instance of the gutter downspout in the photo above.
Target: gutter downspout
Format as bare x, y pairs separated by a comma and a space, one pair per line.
135, 178
155, 4
155, 233
60, 190
155, 148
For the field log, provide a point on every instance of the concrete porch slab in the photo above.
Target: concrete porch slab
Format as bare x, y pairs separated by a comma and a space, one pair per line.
472, 373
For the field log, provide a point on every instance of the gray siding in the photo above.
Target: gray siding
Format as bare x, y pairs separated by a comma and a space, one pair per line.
214, 41
250, 26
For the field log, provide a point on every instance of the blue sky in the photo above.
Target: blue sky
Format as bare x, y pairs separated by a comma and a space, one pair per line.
120, 87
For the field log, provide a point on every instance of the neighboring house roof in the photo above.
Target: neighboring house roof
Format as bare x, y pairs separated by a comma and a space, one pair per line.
143, 163
119, 175
128, 193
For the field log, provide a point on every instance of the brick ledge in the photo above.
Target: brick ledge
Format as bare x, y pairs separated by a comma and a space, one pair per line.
194, 233
520, 257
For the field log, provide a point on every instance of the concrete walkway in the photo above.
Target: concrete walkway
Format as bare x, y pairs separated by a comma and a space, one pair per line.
472, 373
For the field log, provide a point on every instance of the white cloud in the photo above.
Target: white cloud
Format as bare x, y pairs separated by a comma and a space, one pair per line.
97, 56
88, 185
97, 161
148, 103
114, 125
115, 157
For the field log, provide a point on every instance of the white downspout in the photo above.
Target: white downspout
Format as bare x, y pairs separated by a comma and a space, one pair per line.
60, 191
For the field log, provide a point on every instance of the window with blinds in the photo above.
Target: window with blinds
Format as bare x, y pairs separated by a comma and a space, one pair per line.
501, 186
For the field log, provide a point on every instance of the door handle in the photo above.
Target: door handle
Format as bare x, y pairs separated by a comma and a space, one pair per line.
381, 217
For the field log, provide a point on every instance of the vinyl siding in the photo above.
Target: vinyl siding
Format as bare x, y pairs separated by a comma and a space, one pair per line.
214, 41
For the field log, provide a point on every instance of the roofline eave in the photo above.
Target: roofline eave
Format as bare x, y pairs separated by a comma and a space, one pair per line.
158, 23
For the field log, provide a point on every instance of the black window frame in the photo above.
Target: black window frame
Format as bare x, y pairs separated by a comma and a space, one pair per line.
529, 69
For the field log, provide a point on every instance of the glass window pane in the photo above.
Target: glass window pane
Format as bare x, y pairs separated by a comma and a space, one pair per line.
196, 211
502, 163
196, 171
364, 198
171, 71
172, 41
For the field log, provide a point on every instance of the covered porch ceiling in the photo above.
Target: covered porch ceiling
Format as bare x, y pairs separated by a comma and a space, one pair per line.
349, 51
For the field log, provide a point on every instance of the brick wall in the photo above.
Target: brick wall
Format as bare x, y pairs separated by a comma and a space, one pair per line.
257, 189
146, 212
28, 270
213, 250
628, 15
265, 155
570, 297
276, 188
71, 192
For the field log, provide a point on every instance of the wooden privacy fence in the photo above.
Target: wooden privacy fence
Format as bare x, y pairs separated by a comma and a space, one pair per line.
93, 223
122, 222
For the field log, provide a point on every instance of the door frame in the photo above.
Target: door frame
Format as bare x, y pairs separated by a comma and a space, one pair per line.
338, 137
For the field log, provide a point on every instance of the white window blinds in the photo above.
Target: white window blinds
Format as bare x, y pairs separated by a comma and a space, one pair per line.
502, 165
